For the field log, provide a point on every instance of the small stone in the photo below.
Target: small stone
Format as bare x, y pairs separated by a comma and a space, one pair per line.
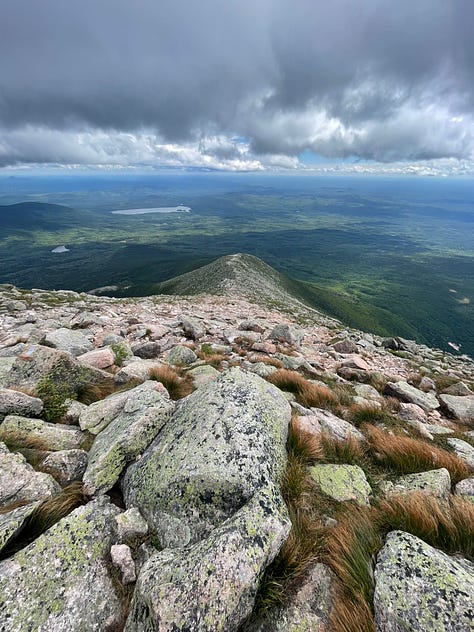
345, 346
66, 465
193, 328
203, 374
122, 558
130, 524
322, 421
181, 356
356, 362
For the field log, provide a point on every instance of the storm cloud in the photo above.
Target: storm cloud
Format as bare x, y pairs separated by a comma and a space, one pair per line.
235, 85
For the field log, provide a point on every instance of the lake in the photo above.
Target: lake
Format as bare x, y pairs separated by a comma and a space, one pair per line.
161, 209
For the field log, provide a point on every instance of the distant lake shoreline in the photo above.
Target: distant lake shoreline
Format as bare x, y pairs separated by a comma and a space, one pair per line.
161, 209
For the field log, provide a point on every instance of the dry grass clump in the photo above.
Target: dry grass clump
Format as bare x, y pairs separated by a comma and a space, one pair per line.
90, 393
350, 549
448, 526
303, 445
406, 455
307, 393
177, 386
34, 449
360, 414
348, 451
264, 359
46, 515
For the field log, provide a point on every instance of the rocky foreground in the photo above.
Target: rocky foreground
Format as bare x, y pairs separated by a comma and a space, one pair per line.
208, 463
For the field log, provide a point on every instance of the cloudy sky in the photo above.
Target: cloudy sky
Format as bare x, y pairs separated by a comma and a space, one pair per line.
355, 85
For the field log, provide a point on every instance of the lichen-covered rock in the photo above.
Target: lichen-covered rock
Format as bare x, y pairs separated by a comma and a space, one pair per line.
421, 589
130, 524
342, 482
49, 436
60, 581
98, 415
14, 402
459, 388
6, 365
73, 412
136, 370
12, 521
211, 585
144, 413
20, 482
193, 328
323, 421
181, 356
66, 465
463, 449
460, 407
38, 363
69, 340
368, 392
434, 482
408, 393
223, 443
465, 489
288, 334
307, 610
203, 374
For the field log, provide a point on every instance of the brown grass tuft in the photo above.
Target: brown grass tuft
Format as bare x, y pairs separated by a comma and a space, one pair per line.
347, 451
301, 444
307, 393
90, 393
177, 387
46, 515
405, 455
264, 359
360, 414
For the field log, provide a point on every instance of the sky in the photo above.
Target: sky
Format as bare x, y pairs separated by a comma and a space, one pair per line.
358, 86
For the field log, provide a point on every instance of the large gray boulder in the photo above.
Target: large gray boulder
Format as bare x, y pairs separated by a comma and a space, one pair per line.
421, 589
286, 333
212, 585
38, 363
181, 356
49, 436
224, 442
18, 404
463, 449
69, 340
61, 581
20, 482
144, 413
435, 483
66, 465
460, 407
408, 393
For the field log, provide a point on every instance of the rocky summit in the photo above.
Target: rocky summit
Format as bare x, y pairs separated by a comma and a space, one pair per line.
226, 458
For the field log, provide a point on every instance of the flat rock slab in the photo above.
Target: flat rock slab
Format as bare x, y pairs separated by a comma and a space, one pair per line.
14, 402
69, 340
51, 436
434, 482
224, 442
60, 581
408, 393
460, 407
324, 422
212, 585
144, 413
99, 358
463, 449
20, 482
421, 589
342, 482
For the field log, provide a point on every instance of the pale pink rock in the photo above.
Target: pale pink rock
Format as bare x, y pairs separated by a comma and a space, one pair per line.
99, 358
356, 362
122, 559
412, 412
264, 347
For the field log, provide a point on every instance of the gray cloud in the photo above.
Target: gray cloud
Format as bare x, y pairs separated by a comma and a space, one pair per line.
113, 81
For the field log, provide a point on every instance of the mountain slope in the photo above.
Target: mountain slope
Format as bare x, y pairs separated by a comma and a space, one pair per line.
40, 216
